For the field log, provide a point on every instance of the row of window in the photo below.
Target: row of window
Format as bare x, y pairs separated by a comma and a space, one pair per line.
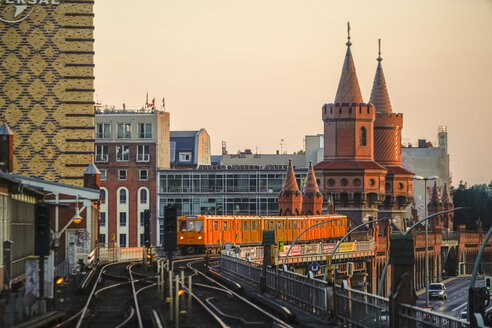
122, 153
123, 219
224, 182
122, 239
124, 130
123, 198
143, 175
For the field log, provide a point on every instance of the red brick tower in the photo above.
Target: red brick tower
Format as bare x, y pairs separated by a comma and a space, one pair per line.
435, 205
92, 176
348, 171
312, 200
6, 149
387, 152
290, 198
448, 218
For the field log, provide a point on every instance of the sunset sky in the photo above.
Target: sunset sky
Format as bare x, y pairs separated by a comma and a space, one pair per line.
257, 71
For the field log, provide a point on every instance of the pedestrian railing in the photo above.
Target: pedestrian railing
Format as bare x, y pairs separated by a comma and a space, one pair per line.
120, 254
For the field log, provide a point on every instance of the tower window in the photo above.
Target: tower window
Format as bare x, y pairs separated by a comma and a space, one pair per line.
363, 136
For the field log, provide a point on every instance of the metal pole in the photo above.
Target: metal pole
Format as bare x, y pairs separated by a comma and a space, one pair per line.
171, 295
190, 285
176, 320
477, 264
383, 274
426, 269
299, 236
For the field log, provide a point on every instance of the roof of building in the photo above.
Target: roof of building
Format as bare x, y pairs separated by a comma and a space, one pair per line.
5, 130
379, 95
92, 169
310, 185
398, 170
349, 165
183, 134
348, 88
290, 182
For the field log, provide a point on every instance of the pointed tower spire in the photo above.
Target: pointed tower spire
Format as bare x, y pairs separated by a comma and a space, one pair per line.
436, 195
92, 176
446, 200
290, 198
348, 87
379, 95
312, 200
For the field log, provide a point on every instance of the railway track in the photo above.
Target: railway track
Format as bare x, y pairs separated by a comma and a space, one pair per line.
114, 300
224, 305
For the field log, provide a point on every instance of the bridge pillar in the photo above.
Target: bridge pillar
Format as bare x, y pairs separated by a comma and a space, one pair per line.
402, 281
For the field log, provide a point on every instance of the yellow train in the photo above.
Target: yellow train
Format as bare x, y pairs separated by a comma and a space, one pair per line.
199, 234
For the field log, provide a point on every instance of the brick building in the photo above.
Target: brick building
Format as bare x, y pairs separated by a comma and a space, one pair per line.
47, 87
362, 168
131, 145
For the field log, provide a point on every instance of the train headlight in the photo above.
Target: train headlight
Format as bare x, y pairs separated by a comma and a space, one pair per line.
199, 237
181, 237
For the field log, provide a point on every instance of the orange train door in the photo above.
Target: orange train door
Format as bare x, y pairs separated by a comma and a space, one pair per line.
210, 231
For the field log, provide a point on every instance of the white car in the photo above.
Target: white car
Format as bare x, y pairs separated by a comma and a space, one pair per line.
438, 290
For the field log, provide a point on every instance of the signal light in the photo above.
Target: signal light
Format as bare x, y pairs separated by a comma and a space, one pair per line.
60, 281
180, 292
487, 282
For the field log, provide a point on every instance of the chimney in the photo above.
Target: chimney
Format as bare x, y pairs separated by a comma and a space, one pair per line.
6, 149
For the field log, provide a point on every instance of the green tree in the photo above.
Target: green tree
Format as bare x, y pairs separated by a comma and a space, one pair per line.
479, 199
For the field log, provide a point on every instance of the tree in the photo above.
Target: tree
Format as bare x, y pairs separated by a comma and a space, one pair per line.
479, 199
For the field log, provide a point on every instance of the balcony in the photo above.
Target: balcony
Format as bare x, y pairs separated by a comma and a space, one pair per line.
143, 158
101, 158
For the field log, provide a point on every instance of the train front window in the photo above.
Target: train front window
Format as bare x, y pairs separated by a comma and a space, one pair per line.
199, 226
182, 226
191, 225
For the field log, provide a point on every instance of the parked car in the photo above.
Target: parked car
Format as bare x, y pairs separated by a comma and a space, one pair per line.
438, 290
464, 318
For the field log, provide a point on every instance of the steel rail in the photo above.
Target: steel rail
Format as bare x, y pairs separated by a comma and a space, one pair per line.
132, 313
137, 309
275, 319
89, 299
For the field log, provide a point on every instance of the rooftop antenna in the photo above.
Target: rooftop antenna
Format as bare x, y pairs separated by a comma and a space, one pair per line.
282, 146
147, 100
164, 103
348, 35
379, 50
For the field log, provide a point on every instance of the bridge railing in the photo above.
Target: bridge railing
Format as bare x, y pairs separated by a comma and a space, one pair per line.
310, 295
117, 254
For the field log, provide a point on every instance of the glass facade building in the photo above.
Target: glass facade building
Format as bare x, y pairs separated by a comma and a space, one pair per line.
224, 190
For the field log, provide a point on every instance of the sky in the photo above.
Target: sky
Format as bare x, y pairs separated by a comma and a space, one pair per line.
258, 71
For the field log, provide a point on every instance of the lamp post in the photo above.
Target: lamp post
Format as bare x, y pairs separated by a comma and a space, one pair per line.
364, 222
426, 268
297, 238
383, 275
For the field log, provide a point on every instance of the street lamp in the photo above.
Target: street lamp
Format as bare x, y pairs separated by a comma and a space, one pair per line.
383, 274
364, 222
295, 240
426, 268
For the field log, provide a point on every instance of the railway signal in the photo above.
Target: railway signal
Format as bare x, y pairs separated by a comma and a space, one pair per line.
170, 229
146, 228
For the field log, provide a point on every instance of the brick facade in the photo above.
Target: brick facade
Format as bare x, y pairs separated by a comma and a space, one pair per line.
47, 88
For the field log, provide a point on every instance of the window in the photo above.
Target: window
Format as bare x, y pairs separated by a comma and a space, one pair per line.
142, 219
122, 153
173, 151
102, 219
124, 130
253, 225
103, 131
143, 196
145, 130
143, 153
122, 240
245, 226
144, 175
363, 136
121, 175
103, 174
122, 196
122, 219
185, 157
216, 226
225, 225
142, 239
199, 226
102, 238
101, 154
103, 196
